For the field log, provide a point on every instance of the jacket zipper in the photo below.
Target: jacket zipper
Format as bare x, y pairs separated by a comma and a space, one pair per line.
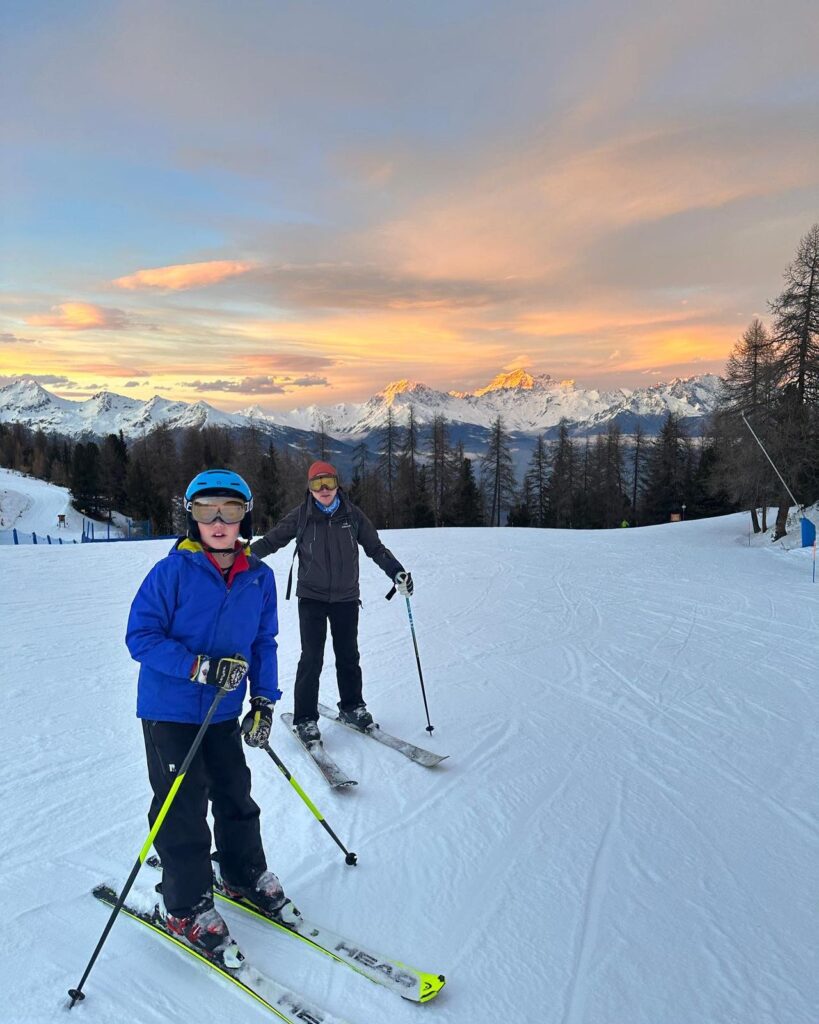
330, 559
225, 597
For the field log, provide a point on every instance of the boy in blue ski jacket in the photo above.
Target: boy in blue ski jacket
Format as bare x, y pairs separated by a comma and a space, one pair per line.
205, 618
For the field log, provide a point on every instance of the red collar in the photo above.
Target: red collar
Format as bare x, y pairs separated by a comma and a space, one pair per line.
240, 564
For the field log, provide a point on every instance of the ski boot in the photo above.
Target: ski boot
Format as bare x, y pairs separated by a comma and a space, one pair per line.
266, 893
307, 731
205, 930
358, 717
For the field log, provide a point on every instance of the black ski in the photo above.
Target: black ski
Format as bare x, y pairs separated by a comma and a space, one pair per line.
320, 758
417, 754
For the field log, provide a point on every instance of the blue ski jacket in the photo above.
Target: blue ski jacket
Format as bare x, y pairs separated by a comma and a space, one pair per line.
183, 609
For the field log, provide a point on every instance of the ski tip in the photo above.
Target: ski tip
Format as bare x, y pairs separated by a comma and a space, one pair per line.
431, 985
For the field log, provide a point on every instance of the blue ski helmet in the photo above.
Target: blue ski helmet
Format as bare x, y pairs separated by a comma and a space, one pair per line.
220, 482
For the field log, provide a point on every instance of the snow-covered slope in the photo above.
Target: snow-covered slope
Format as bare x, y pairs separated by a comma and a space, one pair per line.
32, 506
625, 832
528, 404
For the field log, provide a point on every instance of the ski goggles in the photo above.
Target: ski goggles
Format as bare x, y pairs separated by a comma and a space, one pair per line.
319, 483
208, 510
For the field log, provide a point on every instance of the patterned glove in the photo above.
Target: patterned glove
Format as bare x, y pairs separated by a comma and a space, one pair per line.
403, 584
225, 673
256, 723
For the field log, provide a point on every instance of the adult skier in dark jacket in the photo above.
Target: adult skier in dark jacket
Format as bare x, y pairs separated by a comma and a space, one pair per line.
206, 614
328, 529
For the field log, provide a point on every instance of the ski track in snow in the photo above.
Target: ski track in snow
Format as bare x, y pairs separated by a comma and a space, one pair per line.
588, 925
626, 829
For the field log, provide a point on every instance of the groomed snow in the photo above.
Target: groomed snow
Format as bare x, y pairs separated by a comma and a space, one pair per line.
626, 831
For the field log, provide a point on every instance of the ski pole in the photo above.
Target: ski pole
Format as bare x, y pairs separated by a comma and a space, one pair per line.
349, 858
77, 993
390, 596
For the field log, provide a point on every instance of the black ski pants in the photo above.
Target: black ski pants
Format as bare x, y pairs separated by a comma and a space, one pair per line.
313, 618
217, 773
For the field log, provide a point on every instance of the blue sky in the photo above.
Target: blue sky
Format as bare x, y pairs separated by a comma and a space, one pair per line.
311, 199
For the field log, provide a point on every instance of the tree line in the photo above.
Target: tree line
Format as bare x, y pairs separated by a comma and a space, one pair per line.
401, 481
409, 477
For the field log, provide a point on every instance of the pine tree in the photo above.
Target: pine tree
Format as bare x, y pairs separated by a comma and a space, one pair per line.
422, 514
85, 485
611, 487
358, 484
388, 463
637, 471
749, 381
520, 514
667, 477
796, 321
466, 505
153, 481
796, 336
749, 388
707, 495
407, 473
322, 440
438, 466
219, 448
561, 494
40, 464
267, 495
113, 470
583, 515
192, 459
536, 485
497, 473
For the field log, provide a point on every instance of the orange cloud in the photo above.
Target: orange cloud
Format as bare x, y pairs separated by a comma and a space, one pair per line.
534, 214
182, 276
80, 316
519, 362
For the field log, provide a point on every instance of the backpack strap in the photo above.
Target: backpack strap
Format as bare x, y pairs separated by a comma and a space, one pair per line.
299, 535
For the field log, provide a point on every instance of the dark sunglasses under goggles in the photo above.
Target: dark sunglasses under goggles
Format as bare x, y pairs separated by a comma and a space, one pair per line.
321, 482
208, 510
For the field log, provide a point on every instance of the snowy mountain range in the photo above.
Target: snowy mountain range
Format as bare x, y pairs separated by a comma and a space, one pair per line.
529, 405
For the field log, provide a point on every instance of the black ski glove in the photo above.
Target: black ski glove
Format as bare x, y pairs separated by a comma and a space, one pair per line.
226, 673
256, 723
403, 583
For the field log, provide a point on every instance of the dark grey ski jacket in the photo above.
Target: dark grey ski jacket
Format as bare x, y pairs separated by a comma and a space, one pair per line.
327, 546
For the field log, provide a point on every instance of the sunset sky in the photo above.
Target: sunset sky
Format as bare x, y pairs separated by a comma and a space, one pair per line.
274, 203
